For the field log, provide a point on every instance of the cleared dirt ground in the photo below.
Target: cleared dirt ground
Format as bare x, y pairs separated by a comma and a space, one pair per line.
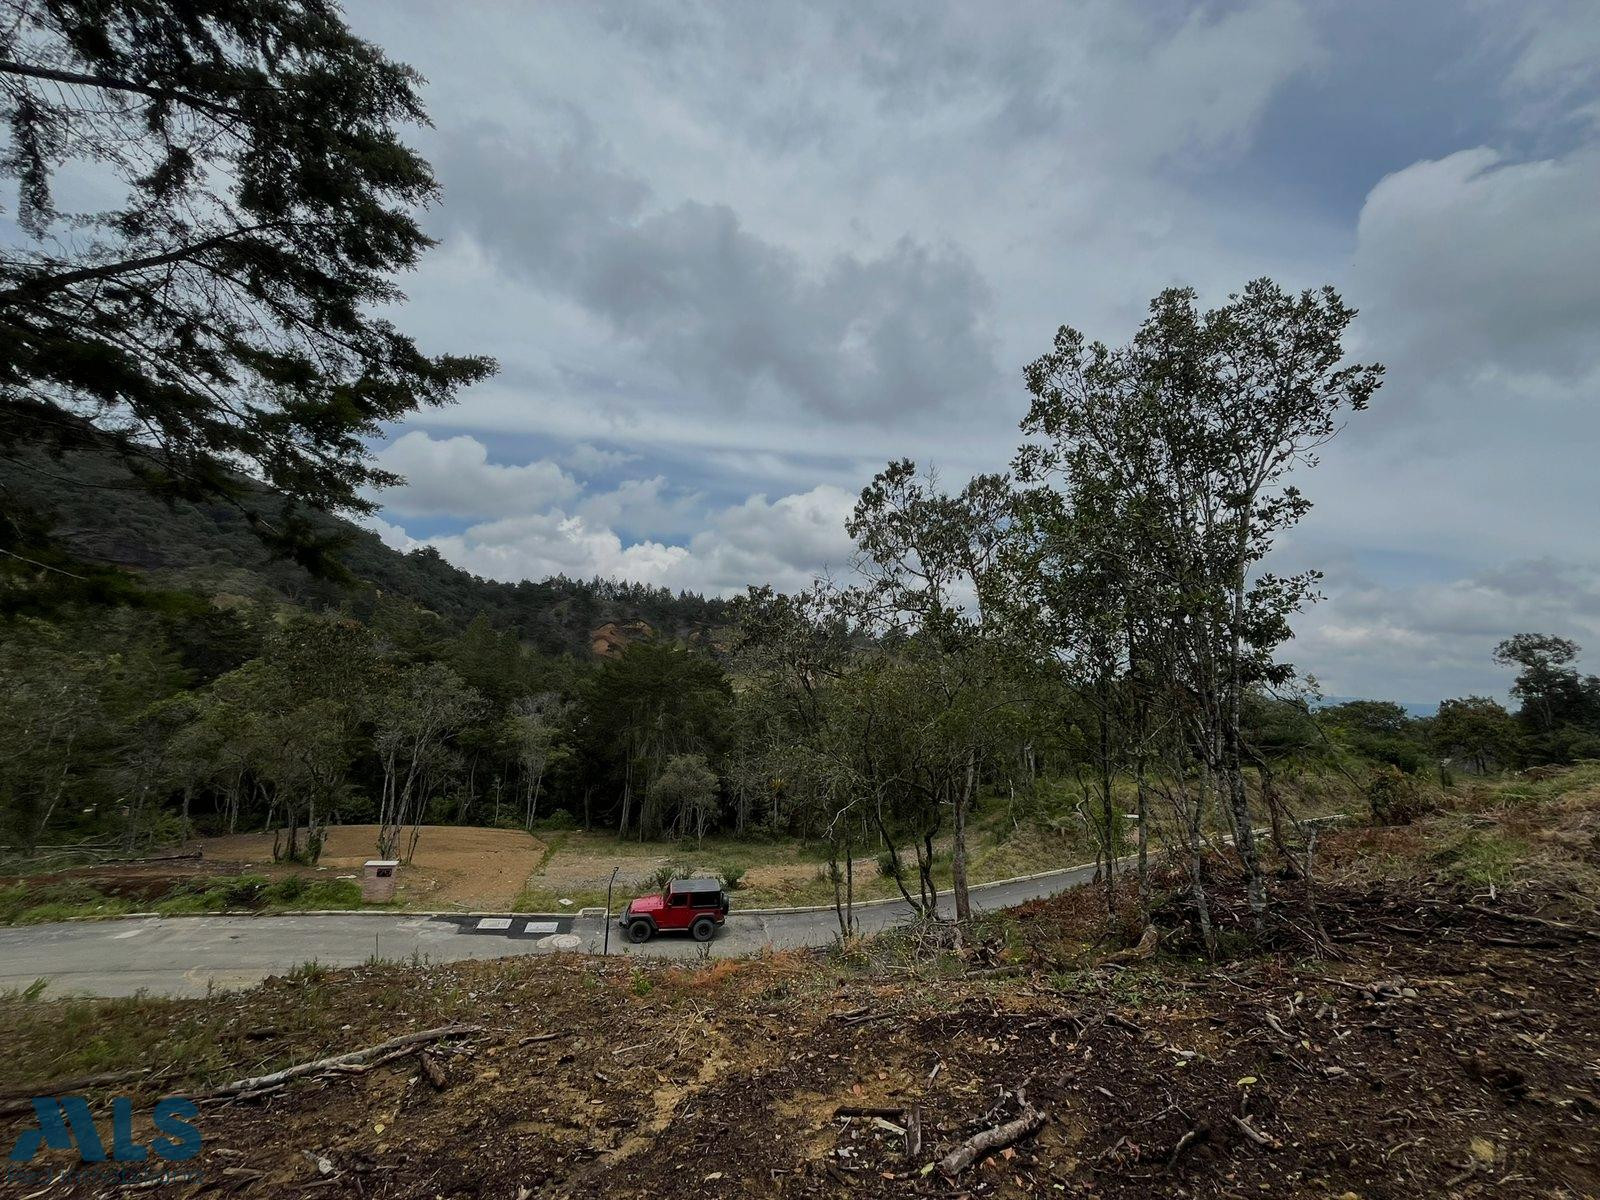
454, 866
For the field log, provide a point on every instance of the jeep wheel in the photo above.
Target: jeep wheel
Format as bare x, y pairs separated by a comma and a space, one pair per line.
703, 929
640, 930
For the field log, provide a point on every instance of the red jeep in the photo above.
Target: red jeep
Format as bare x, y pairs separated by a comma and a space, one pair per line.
698, 905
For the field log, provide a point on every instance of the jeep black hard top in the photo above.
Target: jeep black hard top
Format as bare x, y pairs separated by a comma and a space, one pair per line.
696, 886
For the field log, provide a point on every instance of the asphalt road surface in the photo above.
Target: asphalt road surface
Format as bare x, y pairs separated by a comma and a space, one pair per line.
186, 956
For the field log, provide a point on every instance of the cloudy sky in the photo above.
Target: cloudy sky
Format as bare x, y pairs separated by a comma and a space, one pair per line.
732, 257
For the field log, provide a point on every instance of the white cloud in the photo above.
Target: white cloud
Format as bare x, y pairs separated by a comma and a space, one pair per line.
539, 545
587, 459
453, 477
806, 239
785, 542
392, 535
650, 504
1559, 57
1434, 639
1479, 262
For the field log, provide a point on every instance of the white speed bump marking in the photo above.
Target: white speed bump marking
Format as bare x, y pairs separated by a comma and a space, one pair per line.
541, 927
494, 922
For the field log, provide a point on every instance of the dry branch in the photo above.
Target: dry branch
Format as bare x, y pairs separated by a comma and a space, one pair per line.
1525, 919
241, 1087
1254, 1134
860, 1110
70, 1085
997, 1138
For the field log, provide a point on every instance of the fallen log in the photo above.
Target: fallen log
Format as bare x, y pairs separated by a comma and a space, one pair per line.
997, 1138
243, 1087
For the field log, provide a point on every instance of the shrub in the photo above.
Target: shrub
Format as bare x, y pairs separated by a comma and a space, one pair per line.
665, 874
19, 899
287, 890
557, 821
298, 892
890, 866
732, 875
1394, 797
244, 891
332, 893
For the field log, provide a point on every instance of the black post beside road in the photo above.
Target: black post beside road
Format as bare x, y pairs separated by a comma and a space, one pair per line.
609, 884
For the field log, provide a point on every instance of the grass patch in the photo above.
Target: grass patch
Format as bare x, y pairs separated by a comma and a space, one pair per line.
1481, 857
26, 904
29, 904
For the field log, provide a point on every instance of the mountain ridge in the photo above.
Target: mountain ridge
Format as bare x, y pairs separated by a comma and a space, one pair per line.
211, 548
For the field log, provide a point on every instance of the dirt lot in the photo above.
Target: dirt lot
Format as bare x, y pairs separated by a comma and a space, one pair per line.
455, 866
581, 864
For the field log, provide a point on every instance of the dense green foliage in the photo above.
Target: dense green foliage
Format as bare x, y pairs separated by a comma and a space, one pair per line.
93, 523
163, 670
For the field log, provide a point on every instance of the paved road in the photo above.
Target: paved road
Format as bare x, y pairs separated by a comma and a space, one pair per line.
185, 956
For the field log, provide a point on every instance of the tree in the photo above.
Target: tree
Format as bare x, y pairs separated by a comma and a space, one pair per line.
931, 561
300, 707
222, 311
1478, 729
1180, 447
687, 788
652, 702
1378, 729
531, 732
1552, 692
52, 718
423, 706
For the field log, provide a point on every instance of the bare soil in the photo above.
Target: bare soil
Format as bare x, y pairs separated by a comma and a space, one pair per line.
455, 866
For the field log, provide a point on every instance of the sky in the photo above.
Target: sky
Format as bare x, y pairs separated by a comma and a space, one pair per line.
734, 257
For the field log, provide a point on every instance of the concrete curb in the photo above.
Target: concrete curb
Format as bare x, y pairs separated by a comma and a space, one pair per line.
305, 912
976, 887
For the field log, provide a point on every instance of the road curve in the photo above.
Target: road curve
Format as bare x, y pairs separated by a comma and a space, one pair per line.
187, 956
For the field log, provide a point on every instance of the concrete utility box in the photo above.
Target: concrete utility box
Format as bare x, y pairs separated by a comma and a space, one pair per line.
378, 879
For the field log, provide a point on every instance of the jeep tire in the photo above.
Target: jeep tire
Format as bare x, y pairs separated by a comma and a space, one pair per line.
639, 930
703, 929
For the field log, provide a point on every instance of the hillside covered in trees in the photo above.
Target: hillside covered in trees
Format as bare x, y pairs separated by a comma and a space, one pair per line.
83, 503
